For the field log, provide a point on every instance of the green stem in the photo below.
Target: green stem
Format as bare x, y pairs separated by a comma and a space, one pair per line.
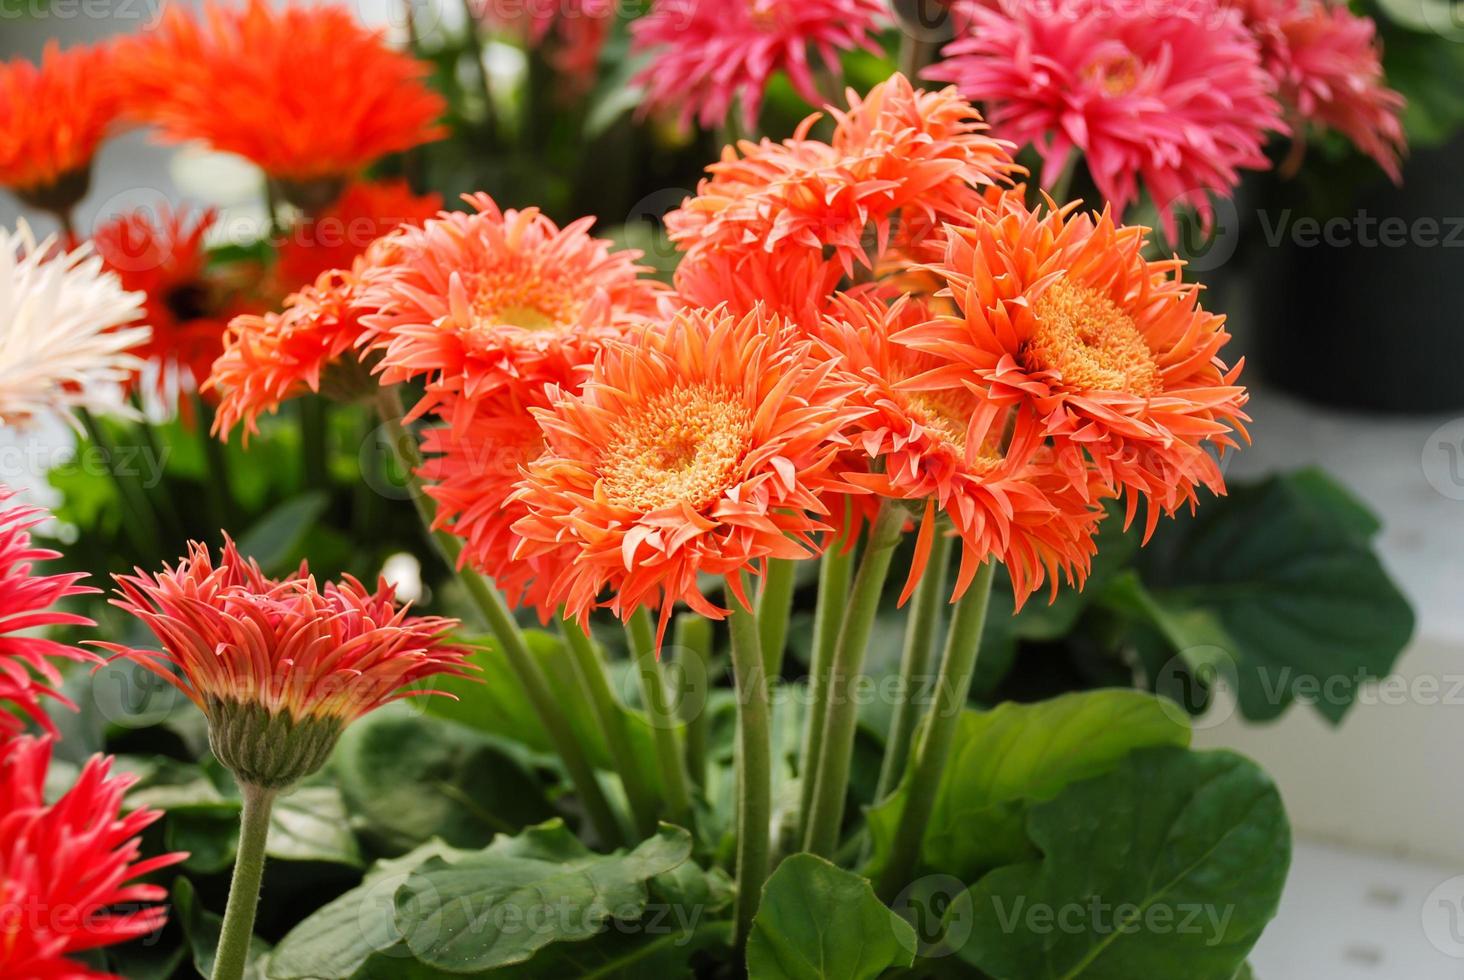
663, 722
238, 929
920, 628
831, 779
501, 622
963, 642
313, 444
610, 716
835, 571
693, 642
139, 521
755, 754
478, 42
220, 494
774, 606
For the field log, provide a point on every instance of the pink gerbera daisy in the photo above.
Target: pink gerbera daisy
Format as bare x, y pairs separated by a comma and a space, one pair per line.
709, 52
1171, 94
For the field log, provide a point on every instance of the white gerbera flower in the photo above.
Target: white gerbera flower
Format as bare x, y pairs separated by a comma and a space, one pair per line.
64, 338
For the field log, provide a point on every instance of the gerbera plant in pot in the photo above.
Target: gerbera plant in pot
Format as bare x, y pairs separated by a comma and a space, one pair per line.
826, 593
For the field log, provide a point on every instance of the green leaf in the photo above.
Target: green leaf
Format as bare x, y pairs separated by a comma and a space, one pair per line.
1004, 760
1276, 586
311, 824
202, 928
1170, 865
503, 904
274, 537
414, 777
820, 922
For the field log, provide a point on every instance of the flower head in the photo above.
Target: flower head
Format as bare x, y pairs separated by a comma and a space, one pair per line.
27, 603
1104, 353
305, 92
332, 238
939, 446
1327, 62
65, 330
572, 32
699, 447
79, 855
279, 667
53, 116
1171, 94
165, 260
481, 301
706, 53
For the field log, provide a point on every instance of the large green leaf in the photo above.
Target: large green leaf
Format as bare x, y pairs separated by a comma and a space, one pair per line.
413, 777
1170, 865
1277, 588
503, 904
820, 922
1005, 759
273, 539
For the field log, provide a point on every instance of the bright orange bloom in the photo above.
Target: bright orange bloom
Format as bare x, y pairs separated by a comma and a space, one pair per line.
69, 869
27, 603
283, 656
164, 259
1108, 354
481, 301
1007, 503
333, 238
699, 447
795, 284
53, 116
898, 153
305, 92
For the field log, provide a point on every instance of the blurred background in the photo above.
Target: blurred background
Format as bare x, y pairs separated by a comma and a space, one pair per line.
1342, 290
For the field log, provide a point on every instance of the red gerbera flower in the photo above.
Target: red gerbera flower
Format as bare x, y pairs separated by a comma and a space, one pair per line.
69, 869
53, 116
305, 92
333, 238
1173, 94
700, 447
708, 52
27, 603
1109, 355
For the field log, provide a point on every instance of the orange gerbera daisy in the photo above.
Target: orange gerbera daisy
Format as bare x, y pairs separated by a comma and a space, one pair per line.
53, 116
898, 158
1005, 500
698, 447
494, 298
305, 92
333, 238
1108, 354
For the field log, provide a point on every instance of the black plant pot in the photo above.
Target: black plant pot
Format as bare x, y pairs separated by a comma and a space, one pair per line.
1357, 305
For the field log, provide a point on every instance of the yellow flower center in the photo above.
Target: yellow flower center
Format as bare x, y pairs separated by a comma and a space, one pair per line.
948, 415
523, 297
1117, 75
684, 447
1090, 341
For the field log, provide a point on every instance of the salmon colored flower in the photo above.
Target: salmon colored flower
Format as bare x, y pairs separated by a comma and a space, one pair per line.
333, 238
69, 870
305, 92
706, 53
1172, 94
286, 660
941, 448
1328, 63
899, 161
53, 117
477, 302
700, 447
164, 258
28, 603
1109, 355
795, 284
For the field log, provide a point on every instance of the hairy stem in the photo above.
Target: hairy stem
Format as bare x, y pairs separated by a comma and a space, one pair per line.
755, 755
238, 928
663, 722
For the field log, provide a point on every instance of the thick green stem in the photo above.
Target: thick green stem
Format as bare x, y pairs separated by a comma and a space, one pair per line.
963, 642
501, 622
238, 929
831, 779
774, 606
663, 721
611, 718
755, 755
835, 571
920, 629
139, 521
313, 443
693, 642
